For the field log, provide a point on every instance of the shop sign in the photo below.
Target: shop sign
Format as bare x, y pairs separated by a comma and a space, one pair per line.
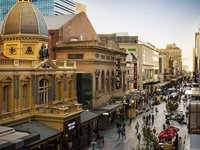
118, 72
195, 130
71, 125
135, 75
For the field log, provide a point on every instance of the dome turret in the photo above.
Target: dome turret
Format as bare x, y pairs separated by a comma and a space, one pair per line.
24, 18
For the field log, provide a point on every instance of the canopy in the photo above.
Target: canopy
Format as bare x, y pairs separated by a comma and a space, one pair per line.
172, 89
168, 133
173, 128
174, 94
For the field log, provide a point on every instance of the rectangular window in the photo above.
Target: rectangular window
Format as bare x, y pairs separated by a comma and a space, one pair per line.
75, 56
5, 98
24, 96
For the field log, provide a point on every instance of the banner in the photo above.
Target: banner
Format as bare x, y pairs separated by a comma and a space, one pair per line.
135, 75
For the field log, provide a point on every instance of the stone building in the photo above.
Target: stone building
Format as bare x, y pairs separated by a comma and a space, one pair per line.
146, 55
38, 101
173, 60
74, 38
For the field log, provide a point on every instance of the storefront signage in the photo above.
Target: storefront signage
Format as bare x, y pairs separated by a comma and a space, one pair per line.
195, 130
118, 72
71, 125
135, 75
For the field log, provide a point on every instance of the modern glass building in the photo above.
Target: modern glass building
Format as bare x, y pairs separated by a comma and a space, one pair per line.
47, 7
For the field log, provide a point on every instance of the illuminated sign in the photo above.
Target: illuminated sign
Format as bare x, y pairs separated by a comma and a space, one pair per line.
194, 130
135, 75
118, 72
71, 125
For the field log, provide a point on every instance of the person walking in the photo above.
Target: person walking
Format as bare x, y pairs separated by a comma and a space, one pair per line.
154, 130
156, 109
70, 144
139, 138
152, 119
119, 131
137, 127
102, 140
123, 133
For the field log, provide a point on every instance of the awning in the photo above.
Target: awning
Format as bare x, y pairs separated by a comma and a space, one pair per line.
12, 139
118, 99
150, 83
87, 116
99, 112
45, 132
193, 92
110, 107
161, 84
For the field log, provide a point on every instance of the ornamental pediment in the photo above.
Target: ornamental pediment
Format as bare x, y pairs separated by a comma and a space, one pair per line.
46, 64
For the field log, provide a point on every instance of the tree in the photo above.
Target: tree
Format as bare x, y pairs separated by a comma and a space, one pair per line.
150, 140
171, 105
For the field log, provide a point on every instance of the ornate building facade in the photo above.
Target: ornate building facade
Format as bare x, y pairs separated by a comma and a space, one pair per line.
37, 95
173, 60
72, 40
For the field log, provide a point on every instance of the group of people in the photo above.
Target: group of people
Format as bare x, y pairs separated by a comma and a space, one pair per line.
148, 119
121, 130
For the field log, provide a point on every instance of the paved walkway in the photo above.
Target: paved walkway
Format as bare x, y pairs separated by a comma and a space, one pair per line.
111, 137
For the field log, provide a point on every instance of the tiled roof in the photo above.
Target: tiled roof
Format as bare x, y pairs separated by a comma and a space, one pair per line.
55, 22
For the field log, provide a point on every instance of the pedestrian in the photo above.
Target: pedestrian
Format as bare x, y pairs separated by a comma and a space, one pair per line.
164, 126
149, 116
137, 127
70, 144
154, 130
119, 131
139, 137
143, 118
118, 125
102, 140
152, 118
123, 133
156, 109
130, 120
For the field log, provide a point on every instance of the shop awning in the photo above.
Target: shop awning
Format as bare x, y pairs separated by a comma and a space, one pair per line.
12, 139
150, 83
87, 116
110, 107
45, 132
161, 84
193, 92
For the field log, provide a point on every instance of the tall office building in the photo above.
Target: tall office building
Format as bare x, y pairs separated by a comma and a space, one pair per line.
47, 7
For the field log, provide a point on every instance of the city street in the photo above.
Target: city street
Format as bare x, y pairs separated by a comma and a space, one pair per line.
111, 137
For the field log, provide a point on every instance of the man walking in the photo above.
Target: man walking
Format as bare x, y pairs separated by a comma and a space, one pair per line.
137, 127
139, 137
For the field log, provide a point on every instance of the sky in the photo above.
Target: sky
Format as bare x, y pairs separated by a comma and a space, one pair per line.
159, 22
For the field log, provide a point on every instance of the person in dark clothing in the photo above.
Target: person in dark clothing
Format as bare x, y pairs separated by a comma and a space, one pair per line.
152, 118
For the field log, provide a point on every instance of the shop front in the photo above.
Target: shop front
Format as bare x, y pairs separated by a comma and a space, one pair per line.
110, 113
89, 128
71, 133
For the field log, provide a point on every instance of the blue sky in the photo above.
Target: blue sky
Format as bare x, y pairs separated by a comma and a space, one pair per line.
159, 22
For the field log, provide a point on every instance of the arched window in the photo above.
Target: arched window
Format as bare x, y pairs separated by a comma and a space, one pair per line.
97, 73
43, 92
112, 81
24, 95
102, 81
108, 81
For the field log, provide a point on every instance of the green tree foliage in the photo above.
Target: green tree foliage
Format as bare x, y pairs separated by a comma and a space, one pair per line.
150, 140
172, 105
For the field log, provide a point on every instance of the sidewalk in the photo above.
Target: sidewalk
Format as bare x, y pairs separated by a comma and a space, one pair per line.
111, 136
